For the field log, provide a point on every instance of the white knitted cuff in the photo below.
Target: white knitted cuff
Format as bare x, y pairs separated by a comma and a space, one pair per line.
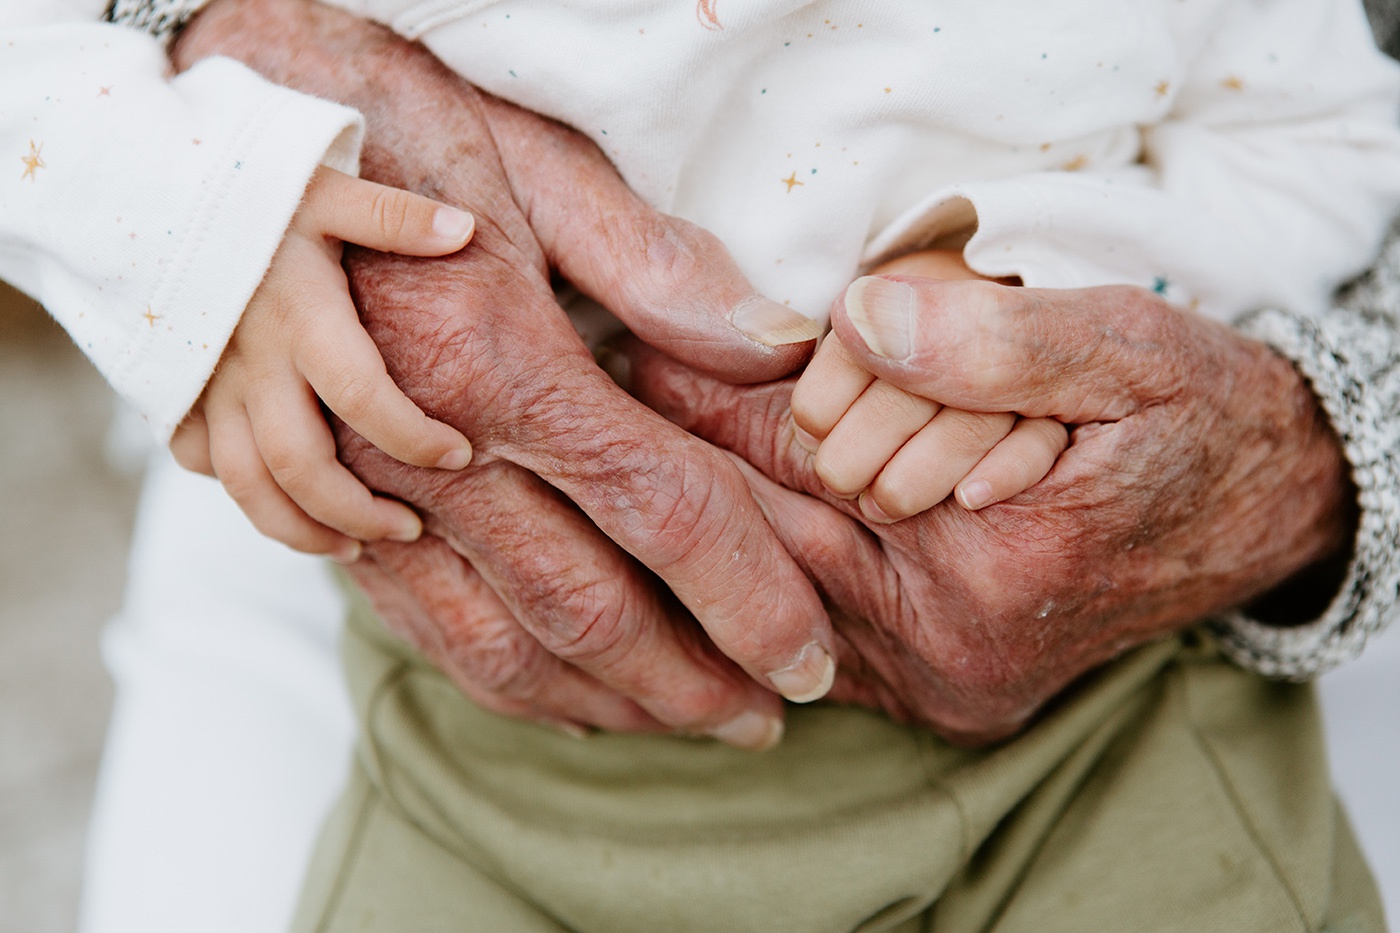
1351, 358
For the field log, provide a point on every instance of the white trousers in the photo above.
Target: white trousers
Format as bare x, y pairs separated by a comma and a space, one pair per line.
231, 732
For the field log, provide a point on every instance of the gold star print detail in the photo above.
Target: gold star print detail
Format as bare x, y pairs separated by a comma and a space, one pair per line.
32, 162
1162, 88
151, 318
792, 182
1233, 83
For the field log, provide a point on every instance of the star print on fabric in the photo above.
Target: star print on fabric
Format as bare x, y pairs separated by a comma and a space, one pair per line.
792, 182
151, 318
1233, 83
1162, 88
32, 162
1159, 285
105, 91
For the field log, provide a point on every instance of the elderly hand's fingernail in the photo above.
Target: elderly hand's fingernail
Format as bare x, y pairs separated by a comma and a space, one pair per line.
452, 225
806, 441
808, 678
456, 459
753, 731
882, 312
773, 324
975, 495
347, 553
568, 727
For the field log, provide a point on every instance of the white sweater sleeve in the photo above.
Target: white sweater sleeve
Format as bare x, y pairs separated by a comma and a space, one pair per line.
1268, 171
143, 210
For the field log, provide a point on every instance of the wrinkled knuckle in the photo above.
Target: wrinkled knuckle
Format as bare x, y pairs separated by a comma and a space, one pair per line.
501, 661
695, 710
676, 250
674, 500
596, 630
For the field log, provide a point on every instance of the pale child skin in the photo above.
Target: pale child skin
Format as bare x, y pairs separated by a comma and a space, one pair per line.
259, 427
898, 453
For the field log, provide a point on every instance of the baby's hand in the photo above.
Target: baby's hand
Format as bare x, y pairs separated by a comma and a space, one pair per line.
259, 427
899, 453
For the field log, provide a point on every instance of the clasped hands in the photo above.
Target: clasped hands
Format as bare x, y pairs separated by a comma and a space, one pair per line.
599, 564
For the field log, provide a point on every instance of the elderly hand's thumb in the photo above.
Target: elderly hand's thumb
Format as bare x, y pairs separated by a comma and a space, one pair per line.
1079, 356
672, 283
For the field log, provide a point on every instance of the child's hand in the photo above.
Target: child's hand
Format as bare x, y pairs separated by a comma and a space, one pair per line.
259, 427
899, 453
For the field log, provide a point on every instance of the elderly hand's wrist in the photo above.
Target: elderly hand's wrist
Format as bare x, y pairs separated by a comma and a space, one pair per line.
304, 45
1312, 506
1320, 491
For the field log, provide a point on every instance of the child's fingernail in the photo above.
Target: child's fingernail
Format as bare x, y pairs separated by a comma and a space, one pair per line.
753, 731
872, 511
808, 678
975, 495
456, 459
453, 225
806, 441
347, 553
882, 312
773, 324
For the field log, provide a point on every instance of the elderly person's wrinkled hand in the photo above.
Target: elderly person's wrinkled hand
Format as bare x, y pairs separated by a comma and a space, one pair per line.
1200, 474
535, 584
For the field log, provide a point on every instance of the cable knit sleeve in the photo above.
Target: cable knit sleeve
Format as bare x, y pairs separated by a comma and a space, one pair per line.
160, 18
1351, 356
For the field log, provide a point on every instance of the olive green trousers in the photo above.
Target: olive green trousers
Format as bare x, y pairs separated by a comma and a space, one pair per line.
1168, 792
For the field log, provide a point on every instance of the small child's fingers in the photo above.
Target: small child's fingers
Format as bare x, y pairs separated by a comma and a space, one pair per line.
827, 388
871, 431
296, 445
240, 468
344, 367
388, 219
190, 444
931, 464
1016, 464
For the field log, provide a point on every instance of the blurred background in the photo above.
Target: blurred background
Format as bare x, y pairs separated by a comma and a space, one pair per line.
65, 519
67, 500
